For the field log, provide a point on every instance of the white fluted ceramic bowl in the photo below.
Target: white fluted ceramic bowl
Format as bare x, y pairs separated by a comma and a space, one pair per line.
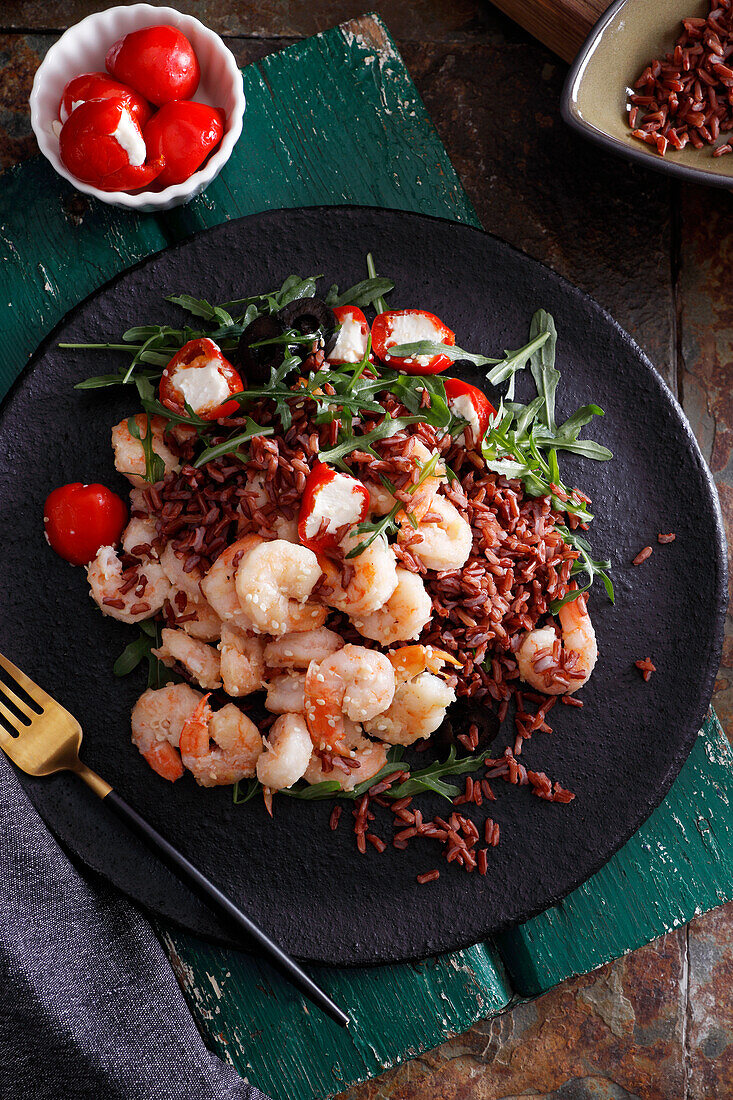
82, 50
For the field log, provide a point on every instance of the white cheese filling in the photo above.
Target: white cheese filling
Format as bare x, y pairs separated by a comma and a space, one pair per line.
463, 406
337, 502
128, 135
202, 387
350, 347
408, 328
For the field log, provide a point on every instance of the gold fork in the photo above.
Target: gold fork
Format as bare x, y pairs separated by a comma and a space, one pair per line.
49, 742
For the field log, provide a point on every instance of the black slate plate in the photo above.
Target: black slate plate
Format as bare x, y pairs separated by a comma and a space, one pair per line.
304, 884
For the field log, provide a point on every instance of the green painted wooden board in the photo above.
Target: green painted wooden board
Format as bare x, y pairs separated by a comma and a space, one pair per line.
337, 119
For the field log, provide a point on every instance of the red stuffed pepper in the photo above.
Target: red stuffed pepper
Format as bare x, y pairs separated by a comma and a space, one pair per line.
351, 343
330, 501
410, 326
199, 376
102, 144
470, 403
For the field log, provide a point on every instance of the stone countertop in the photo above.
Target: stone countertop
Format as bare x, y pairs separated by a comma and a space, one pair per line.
657, 1024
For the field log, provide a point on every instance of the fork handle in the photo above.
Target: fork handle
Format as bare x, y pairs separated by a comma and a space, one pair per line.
193, 877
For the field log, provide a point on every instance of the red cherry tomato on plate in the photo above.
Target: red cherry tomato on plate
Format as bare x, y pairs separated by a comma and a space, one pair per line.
351, 342
198, 375
332, 497
79, 519
101, 86
410, 326
101, 143
469, 402
183, 134
159, 62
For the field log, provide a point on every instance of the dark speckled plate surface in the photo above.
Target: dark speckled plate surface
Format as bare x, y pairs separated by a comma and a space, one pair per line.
304, 884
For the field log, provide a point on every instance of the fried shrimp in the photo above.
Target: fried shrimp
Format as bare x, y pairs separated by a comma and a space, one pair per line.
403, 616
157, 720
219, 748
218, 585
242, 661
129, 453
200, 660
445, 543
288, 749
560, 665
362, 583
356, 682
298, 650
274, 581
139, 601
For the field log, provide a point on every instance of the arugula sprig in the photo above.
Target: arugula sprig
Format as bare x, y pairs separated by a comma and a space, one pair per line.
584, 565
431, 778
154, 464
141, 650
387, 524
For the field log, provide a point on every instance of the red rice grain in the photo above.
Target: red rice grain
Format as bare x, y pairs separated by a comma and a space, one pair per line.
642, 555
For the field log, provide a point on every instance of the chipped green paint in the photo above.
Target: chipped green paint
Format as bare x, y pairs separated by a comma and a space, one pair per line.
296, 151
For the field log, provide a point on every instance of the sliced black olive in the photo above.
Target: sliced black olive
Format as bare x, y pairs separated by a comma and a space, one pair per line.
307, 315
256, 363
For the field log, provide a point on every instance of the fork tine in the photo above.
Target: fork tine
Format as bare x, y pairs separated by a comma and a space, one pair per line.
37, 694
17, 702
11, 720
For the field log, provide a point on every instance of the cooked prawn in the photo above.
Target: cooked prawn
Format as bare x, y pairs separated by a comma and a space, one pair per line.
418, 708
242, 661
410, 660
422, 496
188, 581
403, 616
356, 682
370, 756
286, 693
560, 665
157, 720
288, 749
201, 660
298, 650
206, 626
445, 543
105, 578
273, 582
129, 453
257, 497
363, 583
138, 536
218, 585
220, 748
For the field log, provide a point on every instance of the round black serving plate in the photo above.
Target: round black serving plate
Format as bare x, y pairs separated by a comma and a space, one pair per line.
619, 754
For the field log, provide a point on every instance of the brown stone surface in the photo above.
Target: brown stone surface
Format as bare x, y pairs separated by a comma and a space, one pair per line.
658, 1024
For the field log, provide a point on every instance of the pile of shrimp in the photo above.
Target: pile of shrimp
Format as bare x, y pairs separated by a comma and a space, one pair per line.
346, 650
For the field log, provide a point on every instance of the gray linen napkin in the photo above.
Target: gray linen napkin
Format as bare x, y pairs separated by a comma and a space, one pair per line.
89, 1006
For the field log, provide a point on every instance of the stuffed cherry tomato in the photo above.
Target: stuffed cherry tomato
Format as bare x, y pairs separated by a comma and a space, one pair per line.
159, 62
331, 500
351, 342
183, 134
101, 144
471, 404
409, 326
79, 519
100, 86
199, 376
